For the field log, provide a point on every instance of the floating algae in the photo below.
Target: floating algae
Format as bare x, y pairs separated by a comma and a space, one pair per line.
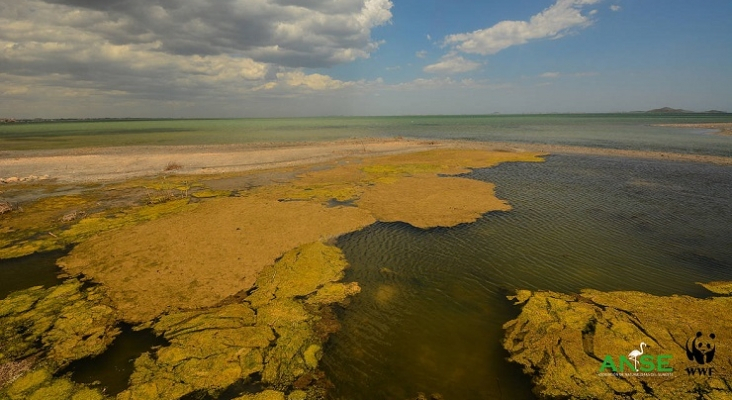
66, 322
179, 267
432, 201
273, 333
42, 226
718, 287
196, 259
562, 340
40, 384
52, 327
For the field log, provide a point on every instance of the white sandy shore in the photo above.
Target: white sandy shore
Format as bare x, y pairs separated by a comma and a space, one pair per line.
120, 163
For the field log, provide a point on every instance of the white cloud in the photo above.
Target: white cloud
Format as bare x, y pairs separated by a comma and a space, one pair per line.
550, 75
421, 54
451, 63
163, 50
615, 8
555, 75
554, 22
311, 81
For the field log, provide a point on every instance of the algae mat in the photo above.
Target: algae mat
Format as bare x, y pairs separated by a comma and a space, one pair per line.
197, 258
573, 345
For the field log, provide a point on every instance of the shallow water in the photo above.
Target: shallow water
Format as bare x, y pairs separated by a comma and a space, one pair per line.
618, 131
433, 302
112, 369
34, 270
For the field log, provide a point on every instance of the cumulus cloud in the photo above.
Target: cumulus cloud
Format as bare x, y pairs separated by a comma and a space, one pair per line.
451, 63
312, 33
615, 8
173, 49
552, 23
311, 81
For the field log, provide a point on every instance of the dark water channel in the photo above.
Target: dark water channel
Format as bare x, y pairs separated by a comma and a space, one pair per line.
25, 272
113, 368
432, 305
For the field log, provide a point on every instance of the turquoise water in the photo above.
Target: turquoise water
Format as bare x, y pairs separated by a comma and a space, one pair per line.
623, 131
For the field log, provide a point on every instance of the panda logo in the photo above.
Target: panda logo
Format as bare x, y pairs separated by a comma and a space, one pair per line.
701, 348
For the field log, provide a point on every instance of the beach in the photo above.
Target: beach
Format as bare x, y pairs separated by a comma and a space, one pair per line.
89, 165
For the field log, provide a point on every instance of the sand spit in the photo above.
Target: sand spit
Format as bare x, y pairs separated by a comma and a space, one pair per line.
120, 163
721, 128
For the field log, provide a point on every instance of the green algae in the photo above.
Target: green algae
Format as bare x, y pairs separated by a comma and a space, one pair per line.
561, 340
40, 384
321, 192
277, 333
209, 350
40, 226
334, 293
722, 287
208, 193
299, 273
273, 333
65, 323
264, 395
53, 327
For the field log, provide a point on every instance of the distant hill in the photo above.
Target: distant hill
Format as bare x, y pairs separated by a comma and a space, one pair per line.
669, 110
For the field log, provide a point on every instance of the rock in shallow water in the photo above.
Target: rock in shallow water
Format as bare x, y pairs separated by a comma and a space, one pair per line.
581, 346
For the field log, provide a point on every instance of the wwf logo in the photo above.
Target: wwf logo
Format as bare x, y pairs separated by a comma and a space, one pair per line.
701, 348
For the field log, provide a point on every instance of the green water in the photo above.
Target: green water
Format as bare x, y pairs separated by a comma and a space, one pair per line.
429, 318
624, 131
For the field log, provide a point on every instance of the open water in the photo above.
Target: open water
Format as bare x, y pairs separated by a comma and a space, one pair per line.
430, 315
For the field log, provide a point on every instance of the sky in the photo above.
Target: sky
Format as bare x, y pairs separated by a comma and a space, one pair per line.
292, 58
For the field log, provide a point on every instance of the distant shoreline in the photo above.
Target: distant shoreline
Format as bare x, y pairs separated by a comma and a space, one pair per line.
723, 128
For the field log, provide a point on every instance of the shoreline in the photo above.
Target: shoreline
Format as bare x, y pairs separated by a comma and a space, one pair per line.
111, 164
721, 128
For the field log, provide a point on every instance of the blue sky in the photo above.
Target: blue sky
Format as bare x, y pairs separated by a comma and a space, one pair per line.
272, 58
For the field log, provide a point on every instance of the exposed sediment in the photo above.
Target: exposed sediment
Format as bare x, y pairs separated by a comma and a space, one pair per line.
563, 342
